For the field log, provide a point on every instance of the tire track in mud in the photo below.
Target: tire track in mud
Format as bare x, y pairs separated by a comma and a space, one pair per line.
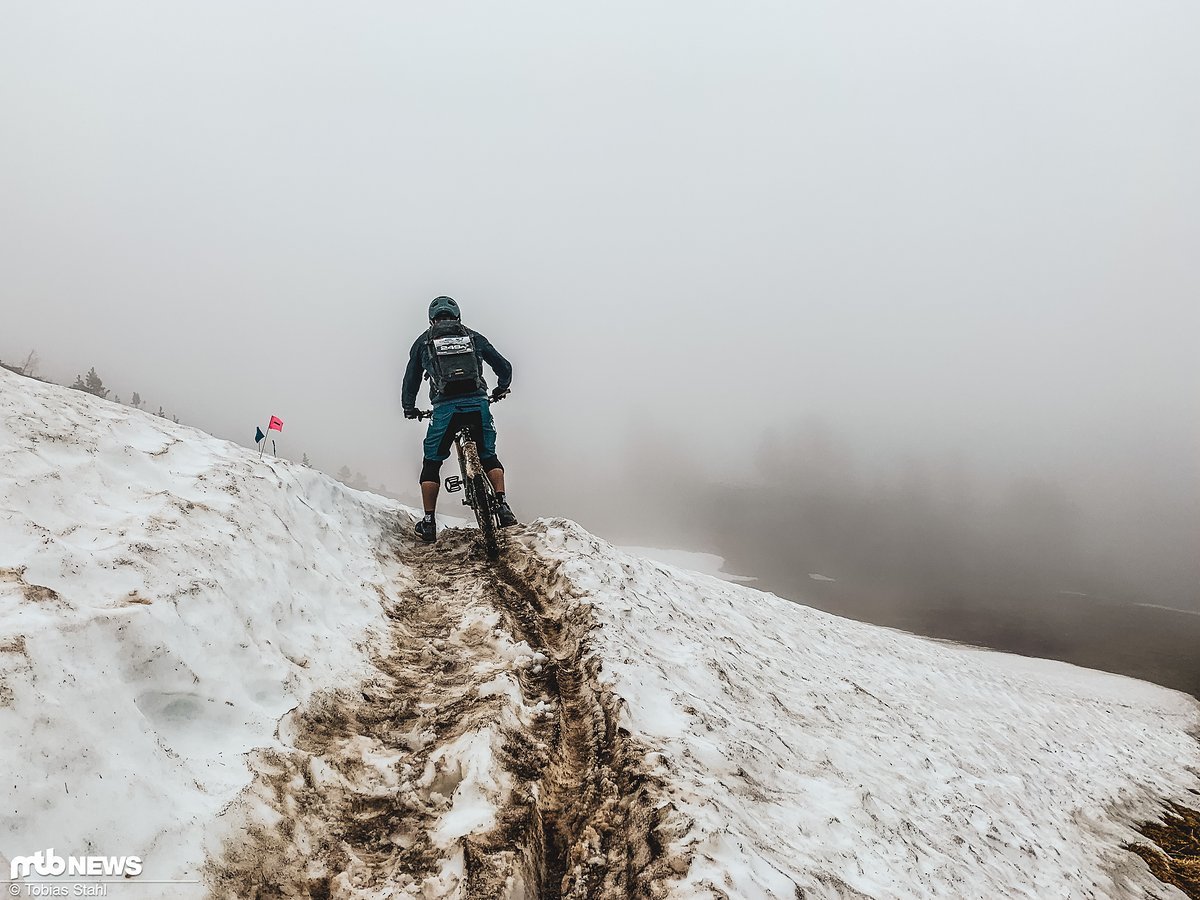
600, 817
349, 806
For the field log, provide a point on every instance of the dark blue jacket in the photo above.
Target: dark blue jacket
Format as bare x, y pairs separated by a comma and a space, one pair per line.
418, 366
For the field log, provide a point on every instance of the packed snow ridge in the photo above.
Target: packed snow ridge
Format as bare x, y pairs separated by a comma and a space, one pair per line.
251, 677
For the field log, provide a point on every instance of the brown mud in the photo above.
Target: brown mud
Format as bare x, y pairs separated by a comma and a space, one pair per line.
340, 810
1173, 853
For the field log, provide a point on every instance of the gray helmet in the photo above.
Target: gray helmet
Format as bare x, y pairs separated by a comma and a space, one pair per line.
443, 306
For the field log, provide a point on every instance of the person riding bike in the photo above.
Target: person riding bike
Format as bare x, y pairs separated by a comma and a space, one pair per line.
451, 356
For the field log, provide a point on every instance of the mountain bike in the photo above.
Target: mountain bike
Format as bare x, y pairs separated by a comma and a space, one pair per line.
477, 487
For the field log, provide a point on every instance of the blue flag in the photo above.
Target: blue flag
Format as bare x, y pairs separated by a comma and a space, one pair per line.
258, 435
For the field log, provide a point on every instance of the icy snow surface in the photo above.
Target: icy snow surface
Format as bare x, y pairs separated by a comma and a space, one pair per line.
688, 560
821, 754
165, 598
173, 609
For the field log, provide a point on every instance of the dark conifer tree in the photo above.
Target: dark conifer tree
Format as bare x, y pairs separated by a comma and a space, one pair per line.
94, 385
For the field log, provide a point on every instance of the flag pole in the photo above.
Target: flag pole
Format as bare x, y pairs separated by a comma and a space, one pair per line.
262, 448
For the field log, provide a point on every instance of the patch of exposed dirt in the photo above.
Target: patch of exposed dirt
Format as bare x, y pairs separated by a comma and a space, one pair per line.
34, 593
347, 806
14, 644
1174, 854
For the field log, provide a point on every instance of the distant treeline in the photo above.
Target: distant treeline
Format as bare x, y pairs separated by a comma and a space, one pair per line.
91, 383
924, 531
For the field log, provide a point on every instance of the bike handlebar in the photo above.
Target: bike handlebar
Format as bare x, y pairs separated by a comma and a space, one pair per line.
426, 413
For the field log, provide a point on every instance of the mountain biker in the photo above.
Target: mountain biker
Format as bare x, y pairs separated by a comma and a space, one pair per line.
451, 356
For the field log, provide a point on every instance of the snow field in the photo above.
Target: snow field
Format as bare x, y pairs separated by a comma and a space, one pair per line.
165, 598
817, 754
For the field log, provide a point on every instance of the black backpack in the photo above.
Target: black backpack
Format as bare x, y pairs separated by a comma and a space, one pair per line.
453, 365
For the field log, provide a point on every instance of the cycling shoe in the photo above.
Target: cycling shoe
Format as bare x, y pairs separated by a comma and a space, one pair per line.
505, 514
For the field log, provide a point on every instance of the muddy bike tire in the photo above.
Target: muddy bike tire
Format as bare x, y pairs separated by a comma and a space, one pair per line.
486, 517
479, 496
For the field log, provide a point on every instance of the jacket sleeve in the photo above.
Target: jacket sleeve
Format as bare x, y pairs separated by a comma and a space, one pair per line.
412, 376
501, 366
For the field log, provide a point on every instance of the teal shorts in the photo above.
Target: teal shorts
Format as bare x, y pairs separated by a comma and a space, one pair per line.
473, 412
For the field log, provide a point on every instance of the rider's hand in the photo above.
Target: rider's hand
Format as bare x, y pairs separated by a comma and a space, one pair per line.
412, 414
499, 394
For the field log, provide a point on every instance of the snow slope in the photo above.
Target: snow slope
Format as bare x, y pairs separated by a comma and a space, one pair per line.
164, 599
817, 756
704, 563
250, 676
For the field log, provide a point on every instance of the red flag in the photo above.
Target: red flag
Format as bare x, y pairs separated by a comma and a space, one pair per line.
276, 424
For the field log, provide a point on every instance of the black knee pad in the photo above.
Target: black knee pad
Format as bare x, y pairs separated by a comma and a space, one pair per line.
431, 471
492, 462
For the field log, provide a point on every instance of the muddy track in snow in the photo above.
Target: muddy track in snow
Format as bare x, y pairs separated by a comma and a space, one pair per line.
351, 805
598, 816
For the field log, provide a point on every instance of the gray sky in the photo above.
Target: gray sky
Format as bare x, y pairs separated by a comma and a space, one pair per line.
949, 230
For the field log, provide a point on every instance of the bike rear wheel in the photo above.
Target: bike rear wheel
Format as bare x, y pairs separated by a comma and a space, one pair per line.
482, 499
486, 517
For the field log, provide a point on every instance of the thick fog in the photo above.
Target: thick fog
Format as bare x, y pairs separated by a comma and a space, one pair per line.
904, 294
